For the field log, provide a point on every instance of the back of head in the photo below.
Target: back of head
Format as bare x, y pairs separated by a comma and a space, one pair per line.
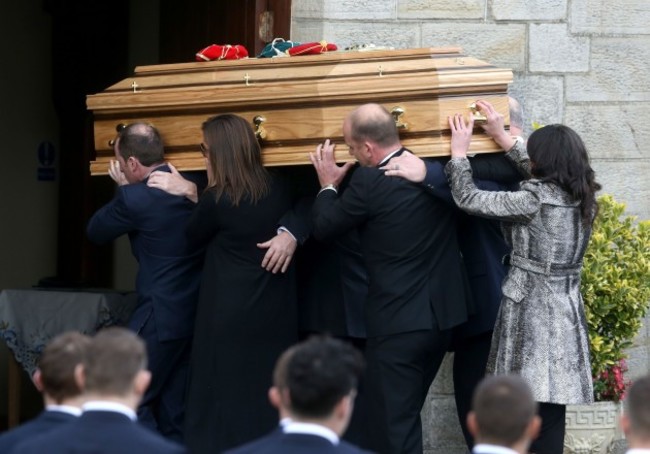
320, 372
143, 142
637, 409
504, 407
114, 358
235, 158
516, 117
280, 369
57, 365
558, 154
372, 122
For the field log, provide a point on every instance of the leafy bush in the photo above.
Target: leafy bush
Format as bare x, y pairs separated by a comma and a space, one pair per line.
616, 291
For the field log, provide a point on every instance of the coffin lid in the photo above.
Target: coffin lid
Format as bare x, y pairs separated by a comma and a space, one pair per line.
302, 99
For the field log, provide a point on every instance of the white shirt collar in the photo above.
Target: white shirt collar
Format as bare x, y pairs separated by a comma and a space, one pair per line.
69, 409
638, 451
484, 448
311, 429
388, 156
103, 405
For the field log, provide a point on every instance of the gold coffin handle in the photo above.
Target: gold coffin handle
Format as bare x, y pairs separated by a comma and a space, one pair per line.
260, 132
397, 113
478, 116
118, 128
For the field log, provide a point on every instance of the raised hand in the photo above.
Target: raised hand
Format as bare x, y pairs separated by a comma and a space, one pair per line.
116, 174
325, 164
407, 166
173, 183
461, 135
495, 125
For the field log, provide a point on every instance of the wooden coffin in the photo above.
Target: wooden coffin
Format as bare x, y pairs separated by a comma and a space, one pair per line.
297, 102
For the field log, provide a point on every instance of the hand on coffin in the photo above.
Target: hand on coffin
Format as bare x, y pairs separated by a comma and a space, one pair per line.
116, 174
279, 251
461, 135
173, 183
407, 166
495, 125
325, 164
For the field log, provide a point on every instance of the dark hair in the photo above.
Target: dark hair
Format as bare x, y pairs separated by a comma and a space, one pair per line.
235, 159
280, 369
637, 407
558, 155
141, 141
114, 357
57, 363
320, 372
504, 407
373, 122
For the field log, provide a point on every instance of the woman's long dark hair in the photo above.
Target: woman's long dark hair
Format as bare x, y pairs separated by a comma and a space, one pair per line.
235, 159
558, 155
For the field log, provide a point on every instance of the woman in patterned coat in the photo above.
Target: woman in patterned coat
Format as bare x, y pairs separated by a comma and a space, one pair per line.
541, 331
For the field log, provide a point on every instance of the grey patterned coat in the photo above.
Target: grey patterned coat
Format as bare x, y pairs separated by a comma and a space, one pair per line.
541, 331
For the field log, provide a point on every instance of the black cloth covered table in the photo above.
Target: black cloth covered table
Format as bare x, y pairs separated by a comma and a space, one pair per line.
30, 318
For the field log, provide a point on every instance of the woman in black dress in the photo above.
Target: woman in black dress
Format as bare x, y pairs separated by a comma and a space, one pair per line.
246, 316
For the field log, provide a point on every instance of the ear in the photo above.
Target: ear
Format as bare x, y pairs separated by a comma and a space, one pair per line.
80, 376
133, 163
534, 426
472, 425
344, 408
37, 378
274, 397
141, 382
625, 424
368, 149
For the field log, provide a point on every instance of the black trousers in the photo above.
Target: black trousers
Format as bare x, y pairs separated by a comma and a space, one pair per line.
551, 437
162, 408
470, 360
399, 372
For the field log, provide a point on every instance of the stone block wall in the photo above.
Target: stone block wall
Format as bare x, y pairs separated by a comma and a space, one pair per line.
584, 63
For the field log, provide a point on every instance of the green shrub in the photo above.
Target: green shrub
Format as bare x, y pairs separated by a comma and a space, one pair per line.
615, 287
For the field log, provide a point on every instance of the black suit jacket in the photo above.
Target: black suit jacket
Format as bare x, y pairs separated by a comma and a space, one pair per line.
332, 276
43, 423
481, 243
100, 432
169, 270
280, 443
410, 249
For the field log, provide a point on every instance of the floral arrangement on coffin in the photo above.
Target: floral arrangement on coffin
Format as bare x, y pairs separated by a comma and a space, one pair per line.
616, 290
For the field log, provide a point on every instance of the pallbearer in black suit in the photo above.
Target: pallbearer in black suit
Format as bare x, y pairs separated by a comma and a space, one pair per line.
417, 287
114, 377
55, 379
169, 270
503, 419
314, 389
483, 247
